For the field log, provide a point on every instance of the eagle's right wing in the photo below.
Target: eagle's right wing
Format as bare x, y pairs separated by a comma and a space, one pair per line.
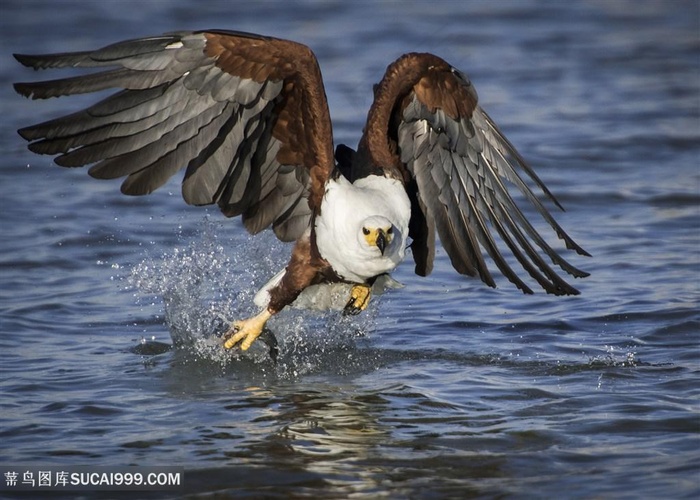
245, 114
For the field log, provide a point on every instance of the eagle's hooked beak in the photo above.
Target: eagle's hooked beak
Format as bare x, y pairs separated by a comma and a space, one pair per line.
381, 241
378, 237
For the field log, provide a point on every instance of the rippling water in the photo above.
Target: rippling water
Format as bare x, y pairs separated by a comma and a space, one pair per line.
443, 389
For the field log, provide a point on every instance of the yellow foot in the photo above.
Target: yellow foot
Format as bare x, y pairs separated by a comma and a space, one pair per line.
246, 331
359, 299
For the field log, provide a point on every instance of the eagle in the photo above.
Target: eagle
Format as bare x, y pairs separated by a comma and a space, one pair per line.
247, 118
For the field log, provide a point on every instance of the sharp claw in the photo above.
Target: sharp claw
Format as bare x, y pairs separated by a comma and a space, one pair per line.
351, 309
269, 339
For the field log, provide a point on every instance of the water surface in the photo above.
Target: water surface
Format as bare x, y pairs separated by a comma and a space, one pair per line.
444, 389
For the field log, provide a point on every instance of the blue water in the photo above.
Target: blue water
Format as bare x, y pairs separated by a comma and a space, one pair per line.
444, 389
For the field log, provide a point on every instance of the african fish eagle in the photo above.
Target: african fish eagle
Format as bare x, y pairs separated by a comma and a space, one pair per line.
246, 116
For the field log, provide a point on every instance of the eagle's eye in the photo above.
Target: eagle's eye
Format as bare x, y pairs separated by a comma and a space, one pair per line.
390, 230
365, 231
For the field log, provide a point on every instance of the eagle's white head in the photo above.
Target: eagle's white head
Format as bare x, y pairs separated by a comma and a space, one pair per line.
377, 233
361, 229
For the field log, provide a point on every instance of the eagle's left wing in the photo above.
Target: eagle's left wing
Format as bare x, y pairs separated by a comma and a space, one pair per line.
426, 125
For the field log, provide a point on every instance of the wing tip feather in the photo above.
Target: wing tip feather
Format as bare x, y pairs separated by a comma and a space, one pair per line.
27, 60
24, 89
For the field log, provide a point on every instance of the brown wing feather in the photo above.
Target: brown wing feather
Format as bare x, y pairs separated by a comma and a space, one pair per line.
245, 114
426, 127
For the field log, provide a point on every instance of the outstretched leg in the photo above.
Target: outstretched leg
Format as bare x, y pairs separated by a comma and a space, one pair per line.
246, 331
299, 274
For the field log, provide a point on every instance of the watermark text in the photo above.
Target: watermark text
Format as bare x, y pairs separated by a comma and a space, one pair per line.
90, 478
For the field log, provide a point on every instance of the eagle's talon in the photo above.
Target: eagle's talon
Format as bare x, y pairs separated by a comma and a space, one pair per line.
359, 299
246, 331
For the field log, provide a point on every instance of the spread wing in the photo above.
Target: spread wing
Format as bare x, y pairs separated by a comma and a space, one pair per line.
426, 126
245, 115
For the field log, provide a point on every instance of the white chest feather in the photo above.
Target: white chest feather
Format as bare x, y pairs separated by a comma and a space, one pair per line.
344, 208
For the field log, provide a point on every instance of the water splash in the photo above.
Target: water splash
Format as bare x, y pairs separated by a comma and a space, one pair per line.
627, 359
211, 280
